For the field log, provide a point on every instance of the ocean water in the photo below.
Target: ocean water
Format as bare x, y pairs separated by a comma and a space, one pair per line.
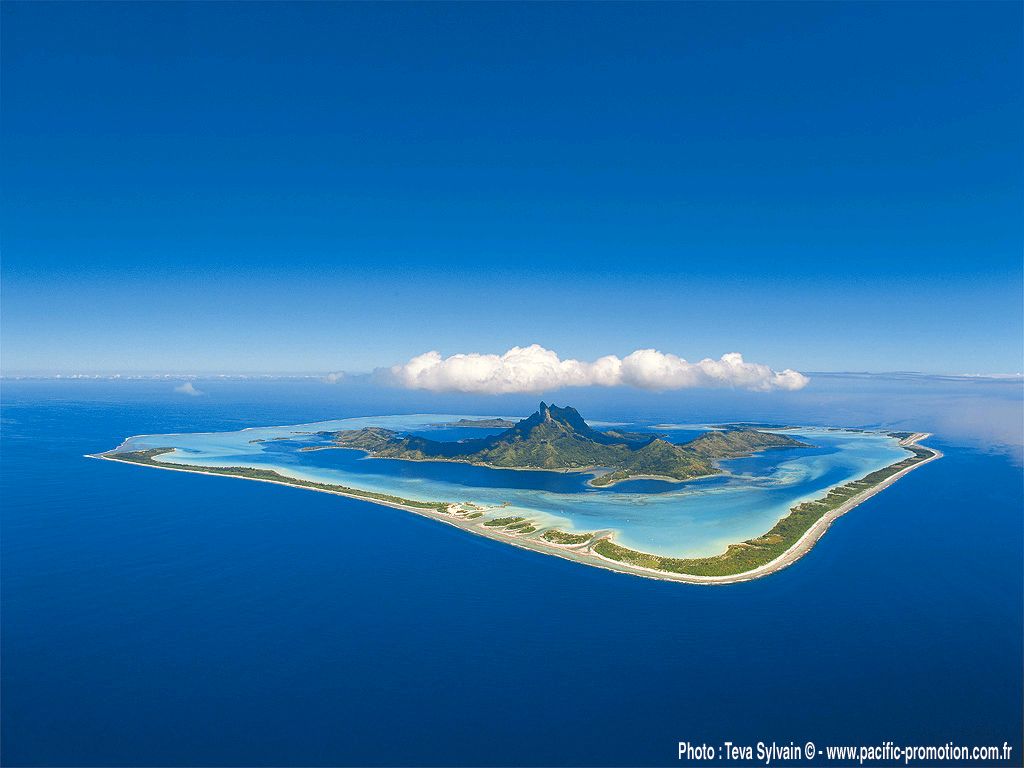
161, 618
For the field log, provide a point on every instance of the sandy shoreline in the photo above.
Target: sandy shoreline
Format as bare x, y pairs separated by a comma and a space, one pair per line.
801, 547
584, 553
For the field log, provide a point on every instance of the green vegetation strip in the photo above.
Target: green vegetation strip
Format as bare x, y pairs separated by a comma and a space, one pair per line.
148, 457
500, 522
751, 554
561, 537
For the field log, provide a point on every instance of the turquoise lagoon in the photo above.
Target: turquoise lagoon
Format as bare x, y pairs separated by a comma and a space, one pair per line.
692, 519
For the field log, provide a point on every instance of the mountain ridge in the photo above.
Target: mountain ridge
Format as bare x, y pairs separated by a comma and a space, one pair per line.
558, 438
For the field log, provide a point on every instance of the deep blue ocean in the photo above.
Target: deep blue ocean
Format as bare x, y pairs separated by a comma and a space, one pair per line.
161, 618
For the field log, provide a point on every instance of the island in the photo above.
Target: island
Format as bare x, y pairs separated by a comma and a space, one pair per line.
558, 439
481, 423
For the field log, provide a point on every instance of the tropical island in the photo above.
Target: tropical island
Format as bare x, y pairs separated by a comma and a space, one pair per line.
558, 439
482, 423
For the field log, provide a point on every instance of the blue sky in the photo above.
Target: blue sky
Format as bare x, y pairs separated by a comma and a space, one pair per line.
290, 188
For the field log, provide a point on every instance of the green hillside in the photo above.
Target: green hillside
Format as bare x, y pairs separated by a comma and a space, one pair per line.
559, 438
735, 443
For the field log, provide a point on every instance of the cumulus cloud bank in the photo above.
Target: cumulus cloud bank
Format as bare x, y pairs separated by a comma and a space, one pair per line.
188, 389
536, 369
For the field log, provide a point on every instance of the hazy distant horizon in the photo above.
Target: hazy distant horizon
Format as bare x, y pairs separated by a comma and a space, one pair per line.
363, 375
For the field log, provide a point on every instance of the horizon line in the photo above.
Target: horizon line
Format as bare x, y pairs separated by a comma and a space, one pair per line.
340, 376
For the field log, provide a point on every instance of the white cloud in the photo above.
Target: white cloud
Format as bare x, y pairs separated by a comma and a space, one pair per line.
536, 369
188, 389
651, 369
333, 378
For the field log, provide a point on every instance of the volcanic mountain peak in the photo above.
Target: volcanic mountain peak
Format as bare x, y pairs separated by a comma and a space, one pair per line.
559, 438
